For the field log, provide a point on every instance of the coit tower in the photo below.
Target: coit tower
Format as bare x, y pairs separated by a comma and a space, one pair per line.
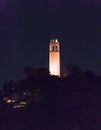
54, 57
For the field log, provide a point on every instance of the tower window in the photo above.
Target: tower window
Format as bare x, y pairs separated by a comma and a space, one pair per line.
51, 48
54, 48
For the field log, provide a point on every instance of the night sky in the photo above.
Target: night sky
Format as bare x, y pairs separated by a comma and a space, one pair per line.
26, 26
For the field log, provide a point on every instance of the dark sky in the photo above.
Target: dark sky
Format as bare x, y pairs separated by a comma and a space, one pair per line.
26, 27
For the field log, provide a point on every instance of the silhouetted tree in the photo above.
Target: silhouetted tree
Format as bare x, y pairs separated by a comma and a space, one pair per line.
30, 72
43, 73
72, 70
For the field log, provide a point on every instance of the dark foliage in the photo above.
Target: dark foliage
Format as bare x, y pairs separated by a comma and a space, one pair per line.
72, 102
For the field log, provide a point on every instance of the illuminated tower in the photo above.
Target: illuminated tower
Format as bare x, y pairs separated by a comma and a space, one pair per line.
54, 57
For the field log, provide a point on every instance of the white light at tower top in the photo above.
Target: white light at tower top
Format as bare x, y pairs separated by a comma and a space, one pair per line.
54, 40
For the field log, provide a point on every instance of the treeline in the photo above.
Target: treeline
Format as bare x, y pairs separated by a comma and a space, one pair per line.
44, 101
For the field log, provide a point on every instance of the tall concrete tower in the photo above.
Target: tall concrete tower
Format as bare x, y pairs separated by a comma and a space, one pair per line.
54, 57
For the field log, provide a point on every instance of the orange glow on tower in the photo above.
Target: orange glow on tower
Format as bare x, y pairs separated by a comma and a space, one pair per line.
54, 57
